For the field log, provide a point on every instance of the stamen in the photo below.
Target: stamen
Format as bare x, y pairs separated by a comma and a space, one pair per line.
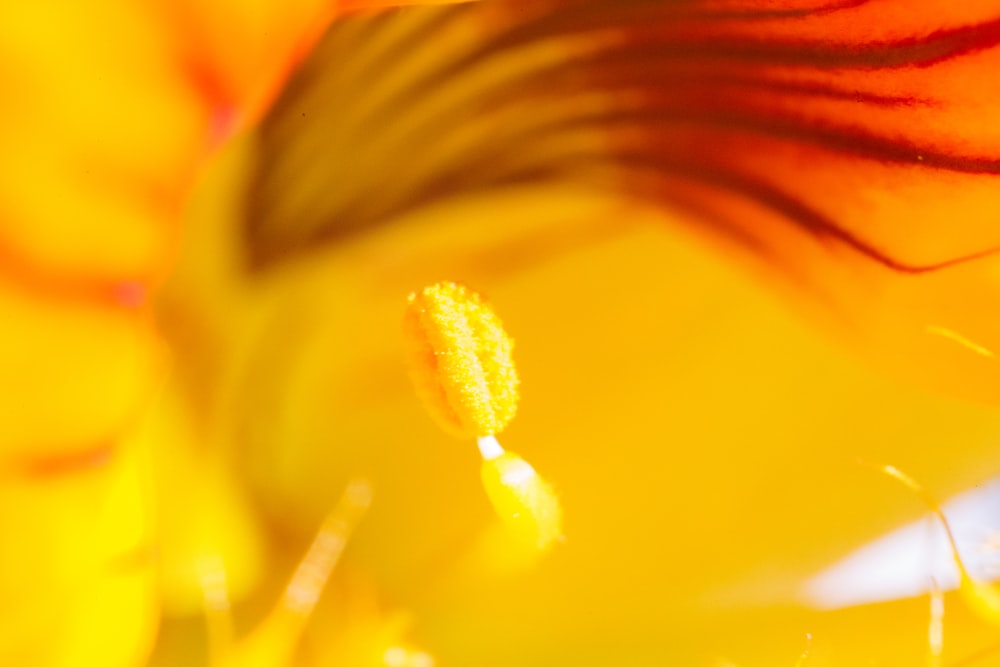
460, 360
275, 640
461, 363
303, 591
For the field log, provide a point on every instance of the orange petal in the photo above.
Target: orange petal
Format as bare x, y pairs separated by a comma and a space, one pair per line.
101, 137
849, 144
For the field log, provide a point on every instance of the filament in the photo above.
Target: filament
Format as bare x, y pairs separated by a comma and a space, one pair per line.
983, 598
273, 643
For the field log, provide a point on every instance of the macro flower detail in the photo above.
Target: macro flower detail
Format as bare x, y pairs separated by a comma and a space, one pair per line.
210, 213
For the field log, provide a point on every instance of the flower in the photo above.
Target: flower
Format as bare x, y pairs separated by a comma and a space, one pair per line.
570, 159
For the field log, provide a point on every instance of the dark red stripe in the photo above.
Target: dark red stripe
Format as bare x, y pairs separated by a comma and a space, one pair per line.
667, 112
631, 75
818, 132
697, 10
679, 41
657, 37
789, 206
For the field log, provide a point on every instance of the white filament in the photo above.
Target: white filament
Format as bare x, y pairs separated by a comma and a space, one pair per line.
489, 447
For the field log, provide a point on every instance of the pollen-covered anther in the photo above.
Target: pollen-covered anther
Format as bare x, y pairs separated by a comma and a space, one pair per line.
460, 360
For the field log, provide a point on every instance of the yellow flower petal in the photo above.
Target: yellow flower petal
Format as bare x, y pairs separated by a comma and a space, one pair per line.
74, 373
77, 558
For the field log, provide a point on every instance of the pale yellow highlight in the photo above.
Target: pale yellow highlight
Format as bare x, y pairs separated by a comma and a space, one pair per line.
970, 345
524, 500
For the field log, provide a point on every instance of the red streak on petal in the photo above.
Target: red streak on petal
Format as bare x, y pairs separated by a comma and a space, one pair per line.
208, 84
51, 466
16, 270
131, 294
219, 99
684, 40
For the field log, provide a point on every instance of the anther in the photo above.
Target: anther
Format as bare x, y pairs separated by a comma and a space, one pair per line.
460, 360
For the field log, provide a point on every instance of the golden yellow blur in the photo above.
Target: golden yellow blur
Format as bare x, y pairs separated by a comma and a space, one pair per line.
460, 360
111, 109
274, 642
88, 207
200, 350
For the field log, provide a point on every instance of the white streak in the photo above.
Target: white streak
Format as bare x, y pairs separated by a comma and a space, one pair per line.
901, 563
489, 447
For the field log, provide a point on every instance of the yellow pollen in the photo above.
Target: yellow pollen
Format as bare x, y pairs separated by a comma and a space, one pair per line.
524, 500
460, 360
